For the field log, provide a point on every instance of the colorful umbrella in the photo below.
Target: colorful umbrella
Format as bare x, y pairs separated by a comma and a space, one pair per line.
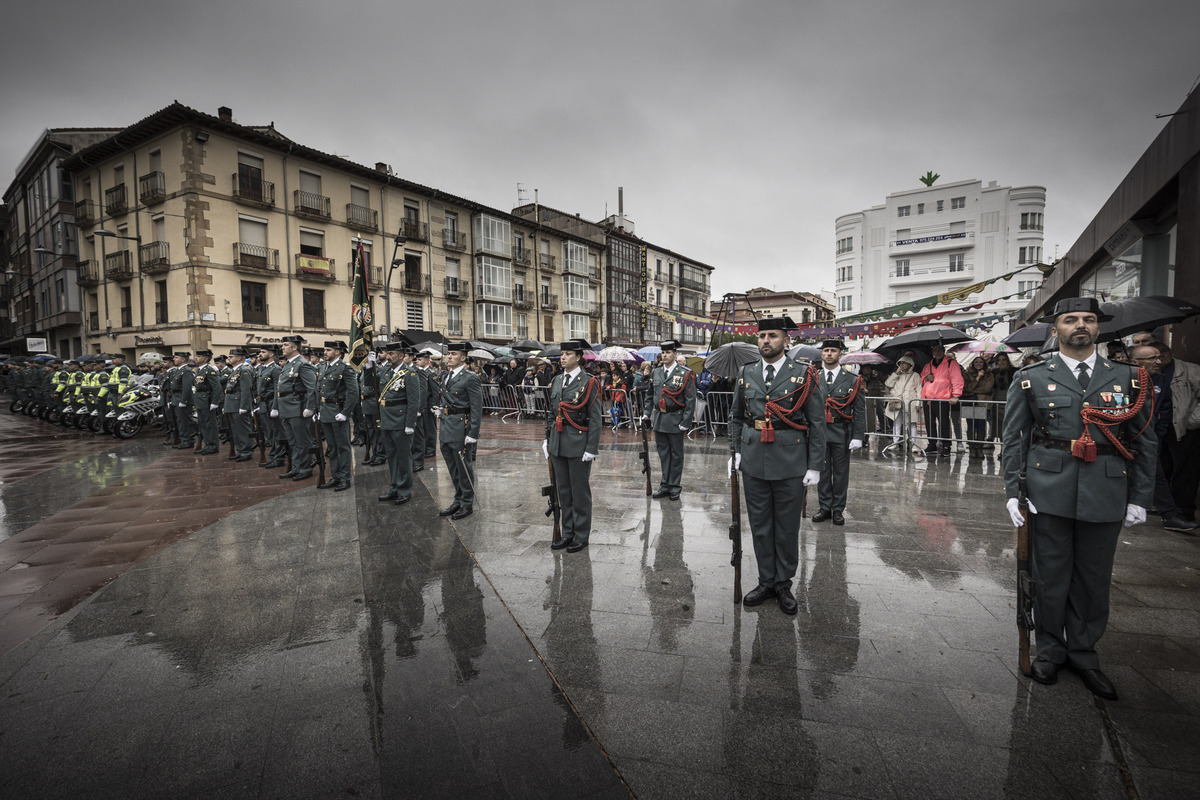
864, 357
650, 352
618, 353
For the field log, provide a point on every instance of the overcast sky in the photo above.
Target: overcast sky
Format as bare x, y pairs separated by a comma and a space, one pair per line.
740, 130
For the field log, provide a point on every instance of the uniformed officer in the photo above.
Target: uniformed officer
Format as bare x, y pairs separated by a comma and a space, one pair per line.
777, 438
207, 398
425, 364
223, 369
294, 404
399, 404
368, 404
461, 417
572, 442
670, 405
419, 444
1080, 428
266, 376
845, 400
383, 372
119, 378
239, 403
181, 391
337, 386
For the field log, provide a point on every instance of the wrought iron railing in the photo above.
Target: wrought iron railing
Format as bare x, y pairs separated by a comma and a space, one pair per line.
255, 258
152, 187
310, 204
361, 217
115, 200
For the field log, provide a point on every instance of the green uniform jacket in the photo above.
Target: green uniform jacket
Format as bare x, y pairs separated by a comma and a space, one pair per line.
676, 415
337, 386
462, 408
368, 390
181, 385
295, 389
1059, 483
572, 442
843, 385
399, 398
207, 386
239, 392
266, 376
793, 452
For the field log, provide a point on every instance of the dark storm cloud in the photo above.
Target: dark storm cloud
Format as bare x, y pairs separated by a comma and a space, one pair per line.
740, 131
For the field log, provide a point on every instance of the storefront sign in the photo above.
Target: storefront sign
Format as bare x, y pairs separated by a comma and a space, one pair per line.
139, 340
35, 345
927, 239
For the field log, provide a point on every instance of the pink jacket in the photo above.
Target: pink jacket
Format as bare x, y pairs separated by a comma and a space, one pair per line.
947, 380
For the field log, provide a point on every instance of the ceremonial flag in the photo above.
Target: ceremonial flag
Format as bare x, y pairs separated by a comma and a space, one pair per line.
362, 321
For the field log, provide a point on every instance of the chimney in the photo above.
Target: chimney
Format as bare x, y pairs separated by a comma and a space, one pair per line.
225, 113
382, 167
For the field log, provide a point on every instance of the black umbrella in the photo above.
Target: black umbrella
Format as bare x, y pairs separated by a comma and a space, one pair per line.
528, 344
1143, 314
726, 360
923, 337
551, 351
806, 351
434, 347
1030, 336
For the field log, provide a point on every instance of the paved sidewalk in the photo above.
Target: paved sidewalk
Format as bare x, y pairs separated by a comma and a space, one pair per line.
312, 644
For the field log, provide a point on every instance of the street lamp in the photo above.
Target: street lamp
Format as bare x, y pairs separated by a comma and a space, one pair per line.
387, 281
107, 234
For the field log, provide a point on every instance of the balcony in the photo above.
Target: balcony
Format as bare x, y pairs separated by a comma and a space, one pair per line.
454, 328
522, 301
85, 213
255, 259
415, 284
310, 205
419, 231
546, 263
362, 218
375, 277
118, 266
453, 240
941, 273
154, 258
253, 191
315, 268
522, 256
152, 188
549, 302
492, 291
575, 267
688, 283
115, 200
575, 305
89, 273
522, 333
456, 287
594, 309
925, 244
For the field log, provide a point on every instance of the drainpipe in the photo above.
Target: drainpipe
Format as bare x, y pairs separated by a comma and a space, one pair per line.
287, 240
137, 232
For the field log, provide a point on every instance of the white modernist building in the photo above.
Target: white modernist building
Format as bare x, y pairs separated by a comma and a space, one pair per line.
939, 238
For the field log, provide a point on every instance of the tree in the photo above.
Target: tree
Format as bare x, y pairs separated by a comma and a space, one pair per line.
929, 177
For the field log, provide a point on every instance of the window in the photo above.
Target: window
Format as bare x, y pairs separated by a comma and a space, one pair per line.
844, 274
160, 302
452, 226
575, 293
903, 266
522, 326
250, 176
958, 202
1031, 221
366, 248
658, 269
903, 233
126, 307
312, 243
845, 303
941, 205
957, 262
1027, 288
493, 278
575, 326
314, 308
1029, 255
454, 320
497, 320
958, 227
845, 245
920, 208
548, 328
362, 198
60, 294
254, 303
493, 235
658, 297
415, 314
574, 258
903, 211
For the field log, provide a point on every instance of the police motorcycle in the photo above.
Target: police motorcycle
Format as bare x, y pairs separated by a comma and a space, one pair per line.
138, 407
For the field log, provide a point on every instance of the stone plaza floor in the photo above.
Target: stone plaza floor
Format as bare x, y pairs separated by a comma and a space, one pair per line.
190, 627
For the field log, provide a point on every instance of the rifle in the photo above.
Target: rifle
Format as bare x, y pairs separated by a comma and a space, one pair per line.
735, 534
1025, 582
229, 427
552, 507
259, 438
645, 456
318, 450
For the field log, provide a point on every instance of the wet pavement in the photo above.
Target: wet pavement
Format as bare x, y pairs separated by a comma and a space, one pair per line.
280, 641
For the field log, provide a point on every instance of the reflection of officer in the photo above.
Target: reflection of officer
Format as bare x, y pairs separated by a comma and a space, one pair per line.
206, 396
777, 436
399, 401
295, 402
368, 393
266, 377
337, 387
845, 425
239, 402
181, 394
419, 445
670, 404
425, 364
1079, 426
462, 415
572, 441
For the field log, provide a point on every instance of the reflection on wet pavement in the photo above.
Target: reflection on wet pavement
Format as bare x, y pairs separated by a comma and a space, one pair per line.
319, 645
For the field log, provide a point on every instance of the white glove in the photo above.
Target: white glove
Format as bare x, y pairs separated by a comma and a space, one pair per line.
685, 428
644, 418
589, 457
856, 444
212, 407
812, 477
1014, 510
545, 449
340, 418
241, 411
1134, 515
408, 431
183, 405
253, 411
317, 416
437, 411
308, 412
274, 413
469, 440
735, 462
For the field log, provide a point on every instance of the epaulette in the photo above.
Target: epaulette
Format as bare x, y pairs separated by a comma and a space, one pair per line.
1024, 367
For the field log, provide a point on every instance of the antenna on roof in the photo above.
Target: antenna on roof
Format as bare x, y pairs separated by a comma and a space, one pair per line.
521, 194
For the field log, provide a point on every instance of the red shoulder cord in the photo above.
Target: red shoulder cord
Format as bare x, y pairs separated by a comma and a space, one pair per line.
776, 407
839, 405
674, 395
1106, 418
583, 400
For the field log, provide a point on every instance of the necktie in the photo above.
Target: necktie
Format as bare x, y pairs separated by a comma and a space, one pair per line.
1084, 378
829, 377
770, 374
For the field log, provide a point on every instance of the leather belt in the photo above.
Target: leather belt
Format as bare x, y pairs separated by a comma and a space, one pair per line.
286, 394
455, 412
1053, 443
759, 424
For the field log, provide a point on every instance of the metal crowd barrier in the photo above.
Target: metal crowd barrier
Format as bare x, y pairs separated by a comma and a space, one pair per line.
971, 422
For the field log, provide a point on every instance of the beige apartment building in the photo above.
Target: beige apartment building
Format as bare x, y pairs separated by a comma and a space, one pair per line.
198, 232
